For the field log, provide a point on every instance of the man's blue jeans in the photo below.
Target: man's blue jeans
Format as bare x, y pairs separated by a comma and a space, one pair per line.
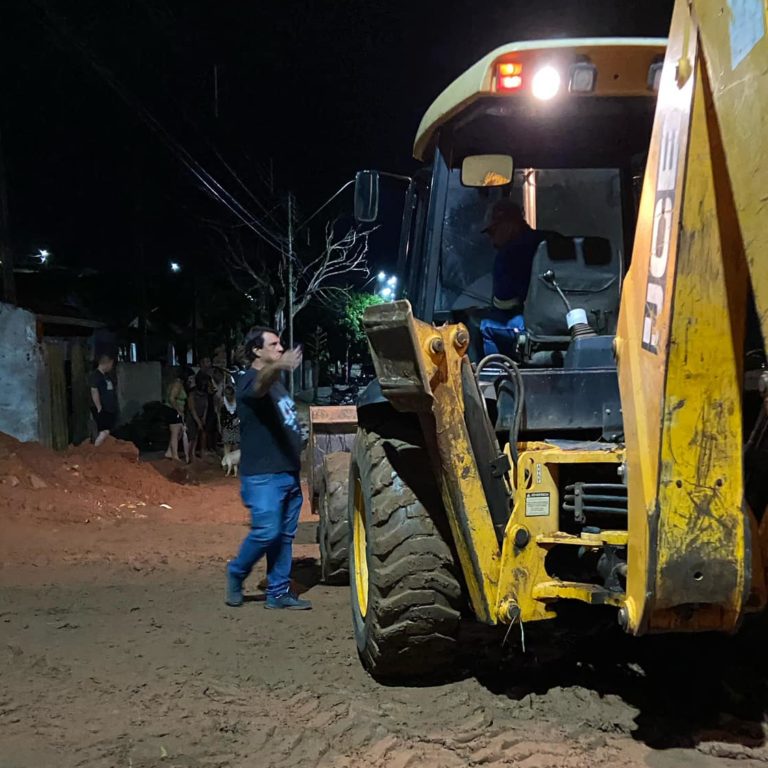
274, 502
500, 332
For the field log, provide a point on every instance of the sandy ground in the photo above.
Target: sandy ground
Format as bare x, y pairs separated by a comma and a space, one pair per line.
116, 650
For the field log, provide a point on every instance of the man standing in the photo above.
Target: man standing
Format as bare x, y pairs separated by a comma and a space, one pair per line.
103, 399
270, 445
516, 245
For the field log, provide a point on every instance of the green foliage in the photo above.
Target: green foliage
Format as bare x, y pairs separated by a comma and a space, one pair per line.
352, 317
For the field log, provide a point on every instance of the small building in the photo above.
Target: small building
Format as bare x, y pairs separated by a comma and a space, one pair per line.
44, 365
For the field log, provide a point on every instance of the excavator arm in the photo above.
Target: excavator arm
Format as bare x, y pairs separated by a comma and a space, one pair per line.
694, 561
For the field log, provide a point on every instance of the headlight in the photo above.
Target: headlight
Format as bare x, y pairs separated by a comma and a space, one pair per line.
546, 83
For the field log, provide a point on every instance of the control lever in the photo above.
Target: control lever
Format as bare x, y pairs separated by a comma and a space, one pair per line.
549, 277
576, 319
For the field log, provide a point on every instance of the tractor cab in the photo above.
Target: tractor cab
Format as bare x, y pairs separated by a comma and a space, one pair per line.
560, 128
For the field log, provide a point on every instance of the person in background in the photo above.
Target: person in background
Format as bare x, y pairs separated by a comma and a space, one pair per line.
229, 421
270, 461
212, 420
515, 243
197, 411
207, 438
206, 367
175, 408
103, 398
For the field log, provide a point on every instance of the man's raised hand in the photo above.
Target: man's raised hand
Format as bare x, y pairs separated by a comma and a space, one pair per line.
290, 360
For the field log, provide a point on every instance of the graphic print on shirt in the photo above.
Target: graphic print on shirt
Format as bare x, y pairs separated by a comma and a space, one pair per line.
288, 411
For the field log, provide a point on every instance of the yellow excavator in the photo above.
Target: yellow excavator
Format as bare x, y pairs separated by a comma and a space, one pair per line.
611, 453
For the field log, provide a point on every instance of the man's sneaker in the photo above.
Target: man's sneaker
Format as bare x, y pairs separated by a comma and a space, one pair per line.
288, 600
234, 591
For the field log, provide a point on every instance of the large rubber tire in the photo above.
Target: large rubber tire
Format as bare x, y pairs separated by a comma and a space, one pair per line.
333, 527
407, 570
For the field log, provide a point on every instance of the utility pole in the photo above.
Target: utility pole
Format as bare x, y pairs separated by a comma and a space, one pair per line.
193, 270
6, 253
216, 91
290, 283
138, 244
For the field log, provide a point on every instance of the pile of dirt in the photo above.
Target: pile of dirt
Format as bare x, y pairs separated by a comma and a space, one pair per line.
81, 484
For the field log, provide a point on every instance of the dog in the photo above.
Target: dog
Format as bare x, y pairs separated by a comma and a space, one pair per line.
231, 462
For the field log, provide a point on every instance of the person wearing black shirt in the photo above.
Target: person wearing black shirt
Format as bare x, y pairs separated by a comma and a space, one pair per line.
270, 461
103, 398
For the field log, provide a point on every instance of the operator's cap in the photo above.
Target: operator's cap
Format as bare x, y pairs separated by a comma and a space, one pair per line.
502, 210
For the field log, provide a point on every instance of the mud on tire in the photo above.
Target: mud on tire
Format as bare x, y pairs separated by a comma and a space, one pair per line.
409, 627
333, 527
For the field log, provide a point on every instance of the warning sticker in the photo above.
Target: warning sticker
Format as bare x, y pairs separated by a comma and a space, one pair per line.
537, 505
747, 27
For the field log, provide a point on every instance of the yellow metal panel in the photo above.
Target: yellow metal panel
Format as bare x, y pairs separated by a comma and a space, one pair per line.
614, 538
679, 355
443, 350
536, 516
419, 369
642, 334
735, 50
586, 593
702, 545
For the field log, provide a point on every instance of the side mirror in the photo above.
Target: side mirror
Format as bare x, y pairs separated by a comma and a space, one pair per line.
366, 196
486, 170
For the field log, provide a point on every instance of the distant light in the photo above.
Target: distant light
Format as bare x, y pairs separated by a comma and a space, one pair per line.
382, 276
386, 293
43, 255
546, 83
175, 266
392, 282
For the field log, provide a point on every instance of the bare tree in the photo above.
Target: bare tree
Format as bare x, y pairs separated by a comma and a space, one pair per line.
247, 267
322, 278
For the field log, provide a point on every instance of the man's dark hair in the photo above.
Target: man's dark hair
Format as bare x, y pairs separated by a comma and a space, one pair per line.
105, 359
255, 339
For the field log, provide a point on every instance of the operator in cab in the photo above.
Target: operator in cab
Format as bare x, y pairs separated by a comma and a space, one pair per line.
515, 243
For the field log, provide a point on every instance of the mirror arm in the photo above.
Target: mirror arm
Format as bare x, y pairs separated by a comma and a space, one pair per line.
396, 176
327, 202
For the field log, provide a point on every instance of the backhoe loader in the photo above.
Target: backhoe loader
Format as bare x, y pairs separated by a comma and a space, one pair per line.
611, 455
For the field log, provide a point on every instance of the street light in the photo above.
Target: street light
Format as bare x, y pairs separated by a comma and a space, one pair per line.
43, 255
175, 266
386, 286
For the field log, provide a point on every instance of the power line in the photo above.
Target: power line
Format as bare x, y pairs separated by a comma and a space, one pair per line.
209, 182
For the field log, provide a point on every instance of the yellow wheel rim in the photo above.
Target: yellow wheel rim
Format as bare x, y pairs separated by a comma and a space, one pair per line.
359, 549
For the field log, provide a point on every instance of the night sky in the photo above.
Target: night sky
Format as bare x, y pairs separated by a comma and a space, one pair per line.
308, 92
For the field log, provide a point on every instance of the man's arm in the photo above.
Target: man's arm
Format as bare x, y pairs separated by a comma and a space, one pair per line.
268, 375
96, 397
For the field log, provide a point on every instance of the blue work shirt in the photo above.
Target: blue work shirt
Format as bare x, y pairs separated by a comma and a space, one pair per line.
512, 269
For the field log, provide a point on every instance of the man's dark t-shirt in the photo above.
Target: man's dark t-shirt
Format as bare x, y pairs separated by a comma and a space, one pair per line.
270, 433
107, 393
512, 267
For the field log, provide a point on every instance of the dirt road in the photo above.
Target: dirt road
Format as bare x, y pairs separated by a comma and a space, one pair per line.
116, 650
